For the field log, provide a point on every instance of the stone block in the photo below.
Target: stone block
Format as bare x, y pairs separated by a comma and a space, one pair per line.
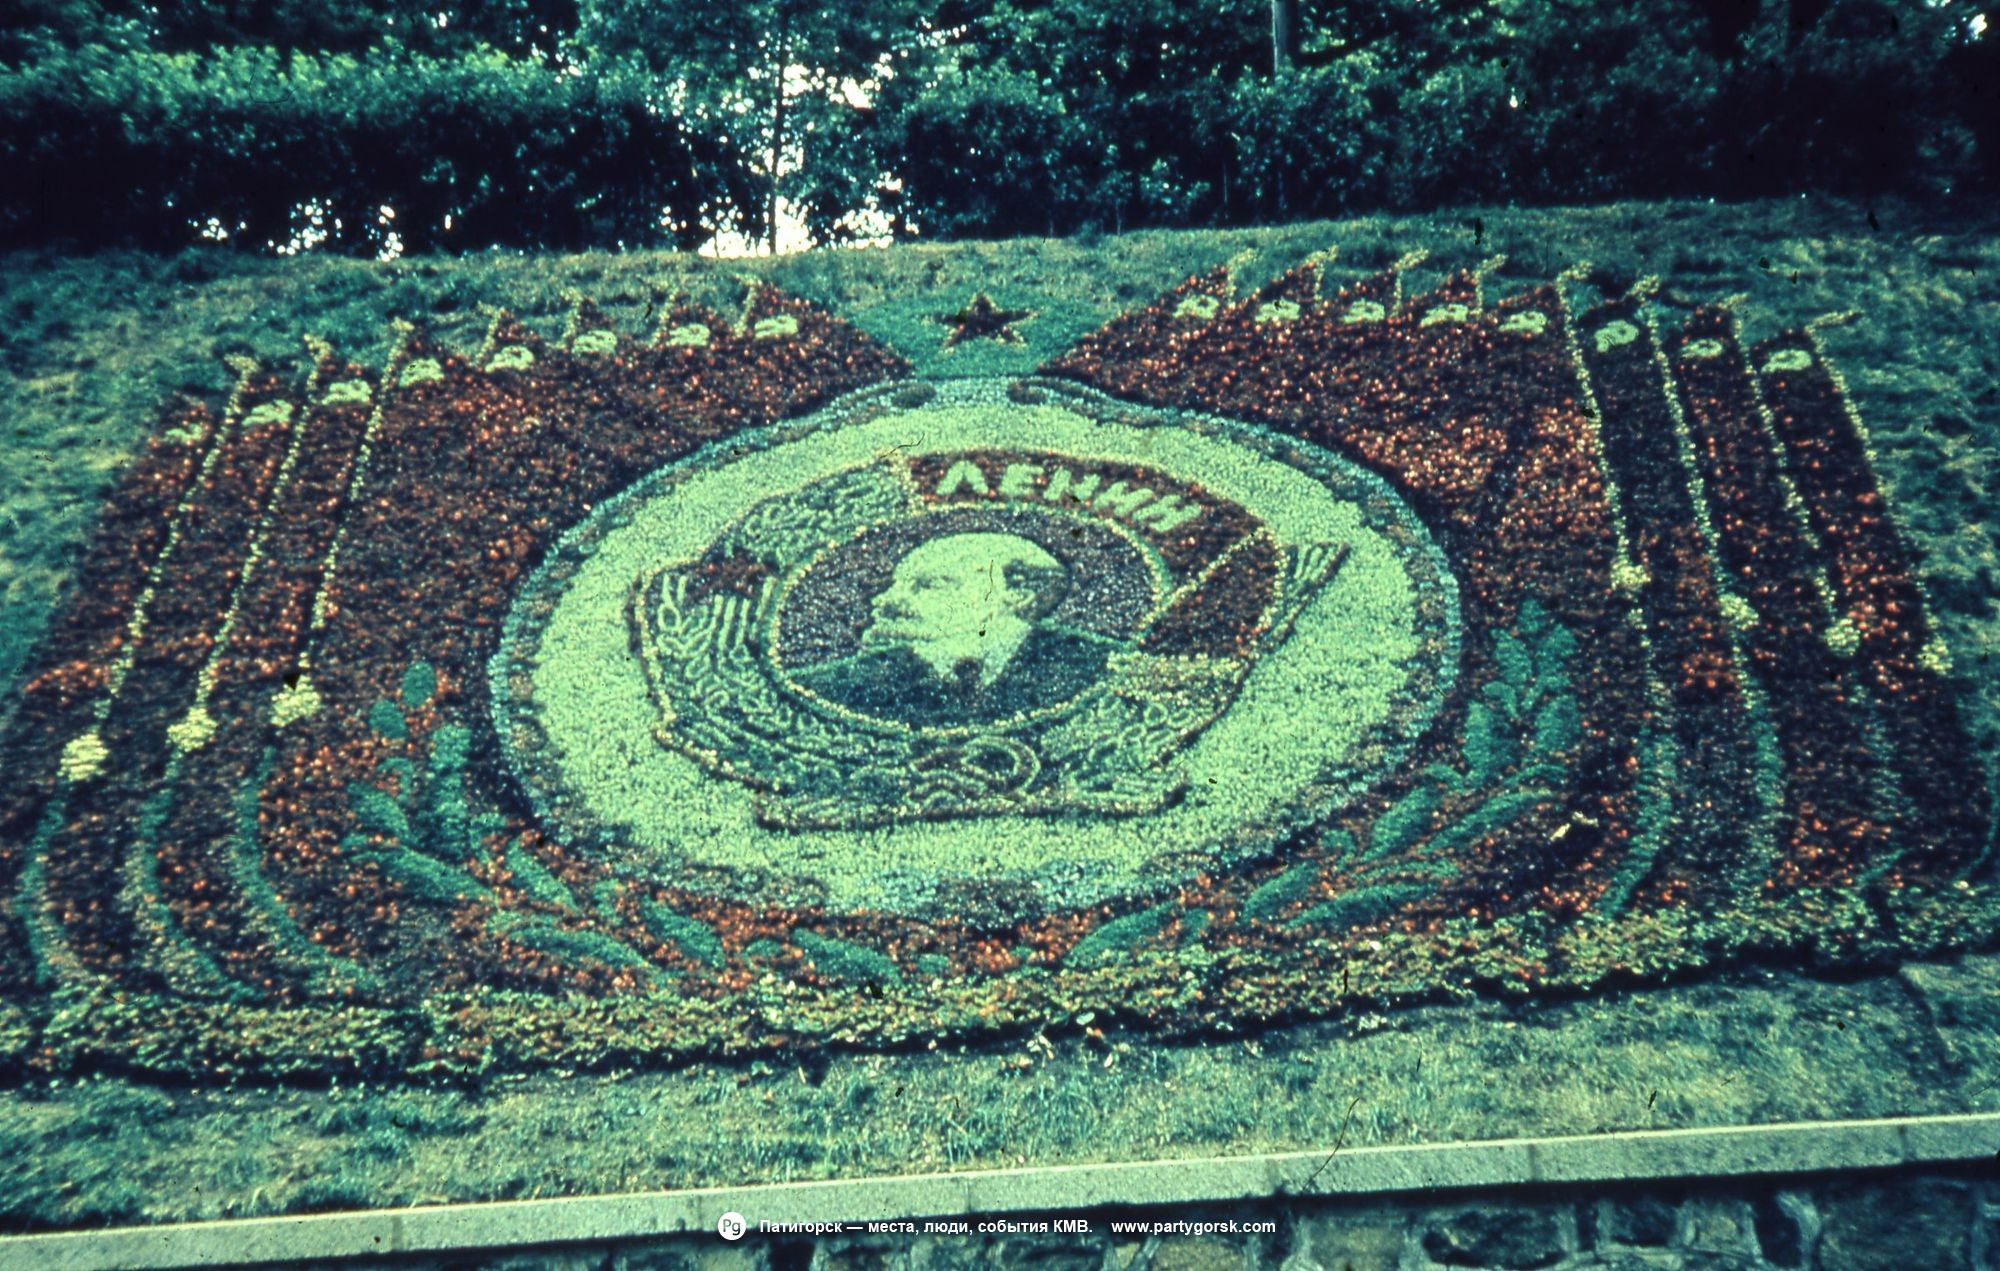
1787, 1226
1643, 1260
870, 1256
1681, 1260
558, 1258
943, 1253
1922, 1222
1718, 1225
1639, 1220
1365, 1240
1042, 1253
1196, 1253
1775, 1149
1516, 1237
1955, 1138
702, 1254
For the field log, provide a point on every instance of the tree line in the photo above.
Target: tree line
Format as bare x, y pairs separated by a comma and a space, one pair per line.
428, 125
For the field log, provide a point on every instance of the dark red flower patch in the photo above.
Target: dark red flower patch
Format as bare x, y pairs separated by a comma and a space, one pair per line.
190, 594
1696, 662
85, 639
1900, 662
1778, 567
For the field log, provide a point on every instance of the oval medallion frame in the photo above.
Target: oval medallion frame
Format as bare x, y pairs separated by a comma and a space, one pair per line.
1373, 647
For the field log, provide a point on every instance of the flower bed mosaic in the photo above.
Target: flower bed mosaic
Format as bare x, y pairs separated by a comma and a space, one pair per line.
615, 700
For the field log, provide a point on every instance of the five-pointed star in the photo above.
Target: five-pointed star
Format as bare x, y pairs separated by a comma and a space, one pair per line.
982, 319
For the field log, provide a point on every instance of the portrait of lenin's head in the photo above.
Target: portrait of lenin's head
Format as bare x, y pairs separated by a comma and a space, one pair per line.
961, 635
965, 603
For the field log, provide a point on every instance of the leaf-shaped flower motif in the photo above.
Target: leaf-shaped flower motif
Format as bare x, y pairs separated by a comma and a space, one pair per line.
1278, 311
1615, 334
513, 357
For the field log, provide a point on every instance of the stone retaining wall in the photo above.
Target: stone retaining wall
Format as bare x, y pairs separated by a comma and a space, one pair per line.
1909, 1220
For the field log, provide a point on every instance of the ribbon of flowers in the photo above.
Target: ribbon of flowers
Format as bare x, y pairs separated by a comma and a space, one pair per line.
1900, 662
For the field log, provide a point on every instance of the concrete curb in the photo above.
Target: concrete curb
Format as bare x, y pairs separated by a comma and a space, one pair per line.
1788, 1149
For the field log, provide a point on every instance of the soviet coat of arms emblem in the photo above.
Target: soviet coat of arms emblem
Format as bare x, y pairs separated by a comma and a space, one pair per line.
951, 635
971, 641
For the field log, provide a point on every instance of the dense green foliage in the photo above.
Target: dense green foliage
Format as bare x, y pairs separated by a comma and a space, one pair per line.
267, 149
564, 123
1141, 112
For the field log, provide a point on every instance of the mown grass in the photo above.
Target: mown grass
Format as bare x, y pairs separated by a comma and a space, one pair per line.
1756, 1047
90, 346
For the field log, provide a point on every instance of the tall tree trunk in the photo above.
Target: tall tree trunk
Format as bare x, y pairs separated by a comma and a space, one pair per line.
1284, 34
782, 48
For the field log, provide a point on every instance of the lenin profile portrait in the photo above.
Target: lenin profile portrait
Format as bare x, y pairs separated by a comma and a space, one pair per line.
961, 636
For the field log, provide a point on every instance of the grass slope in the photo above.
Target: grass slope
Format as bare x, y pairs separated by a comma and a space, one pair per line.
1752, 1048
90, 346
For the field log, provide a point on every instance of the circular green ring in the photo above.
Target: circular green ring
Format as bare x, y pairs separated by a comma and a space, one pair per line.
1067, 881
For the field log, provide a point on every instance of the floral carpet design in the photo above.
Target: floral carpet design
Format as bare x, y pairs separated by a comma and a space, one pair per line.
730, 689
